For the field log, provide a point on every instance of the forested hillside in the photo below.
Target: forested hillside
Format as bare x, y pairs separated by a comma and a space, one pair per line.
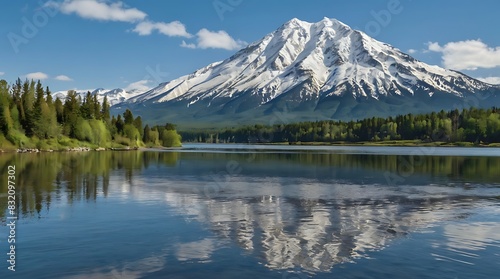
31, 118
469, 125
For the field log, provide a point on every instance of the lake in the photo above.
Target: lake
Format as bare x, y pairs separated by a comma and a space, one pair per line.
245, 211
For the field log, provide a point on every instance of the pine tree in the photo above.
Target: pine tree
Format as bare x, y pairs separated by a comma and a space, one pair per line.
96, 107
6, 122
87, 107
105, 115
59, 109
28, 100
119, 124
146, 137
128, 117
112, 127
39, 99
16, 91
39, 126
169, 127
71, 113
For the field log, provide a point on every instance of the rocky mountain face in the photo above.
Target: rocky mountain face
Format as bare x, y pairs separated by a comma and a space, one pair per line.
310, 71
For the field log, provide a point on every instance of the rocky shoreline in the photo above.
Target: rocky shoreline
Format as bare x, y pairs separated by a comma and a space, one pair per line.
73, 149
36, 150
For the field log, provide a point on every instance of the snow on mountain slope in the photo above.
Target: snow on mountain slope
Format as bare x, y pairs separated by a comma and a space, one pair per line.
115, 96
326, 58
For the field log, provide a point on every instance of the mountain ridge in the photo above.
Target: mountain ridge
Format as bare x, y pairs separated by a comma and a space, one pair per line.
115, 96
311, 70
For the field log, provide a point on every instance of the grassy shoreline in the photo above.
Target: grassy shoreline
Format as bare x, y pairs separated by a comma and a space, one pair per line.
61, 144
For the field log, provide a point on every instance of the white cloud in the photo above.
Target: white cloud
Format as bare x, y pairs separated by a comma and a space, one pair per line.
63, 78
172, 29
106, 10
412, 51
99, 10
215, 39
490, 80
141, 85
186, 45
37, 75
434, 47
2, 73
467, 55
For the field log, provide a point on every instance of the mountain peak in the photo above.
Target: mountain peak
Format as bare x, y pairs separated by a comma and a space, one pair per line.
332, 22
324, 23
295, 21
292, 24
308, 63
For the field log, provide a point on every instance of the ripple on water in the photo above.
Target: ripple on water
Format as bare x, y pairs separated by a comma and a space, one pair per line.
463, 242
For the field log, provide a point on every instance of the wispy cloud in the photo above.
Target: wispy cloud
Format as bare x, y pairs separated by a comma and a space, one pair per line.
490, 80
215, 39
172, 29
467, 55
218, 39
412, 51
2, 73
107, 10
99, 10
186, 45
434, 47
141, 85
63, 78
37, 75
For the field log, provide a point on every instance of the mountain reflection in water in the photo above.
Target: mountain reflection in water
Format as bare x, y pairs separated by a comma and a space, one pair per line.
288, 210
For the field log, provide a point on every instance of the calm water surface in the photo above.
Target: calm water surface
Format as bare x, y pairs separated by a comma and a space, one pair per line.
239, 211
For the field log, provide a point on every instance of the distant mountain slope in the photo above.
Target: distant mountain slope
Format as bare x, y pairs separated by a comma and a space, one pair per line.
310, 71
115, 96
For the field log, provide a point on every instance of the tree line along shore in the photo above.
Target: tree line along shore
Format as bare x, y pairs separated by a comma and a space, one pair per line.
466, 127
31, 120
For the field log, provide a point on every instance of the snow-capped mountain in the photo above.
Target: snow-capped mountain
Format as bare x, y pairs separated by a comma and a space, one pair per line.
115, 96
322, 70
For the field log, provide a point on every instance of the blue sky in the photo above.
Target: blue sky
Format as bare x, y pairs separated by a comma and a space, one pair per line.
86, 44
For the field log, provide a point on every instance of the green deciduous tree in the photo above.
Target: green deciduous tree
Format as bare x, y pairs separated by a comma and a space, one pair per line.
130, 132
30, 117
138, 125
170, 138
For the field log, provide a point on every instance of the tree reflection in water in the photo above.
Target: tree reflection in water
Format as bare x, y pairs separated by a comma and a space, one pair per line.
306, 210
